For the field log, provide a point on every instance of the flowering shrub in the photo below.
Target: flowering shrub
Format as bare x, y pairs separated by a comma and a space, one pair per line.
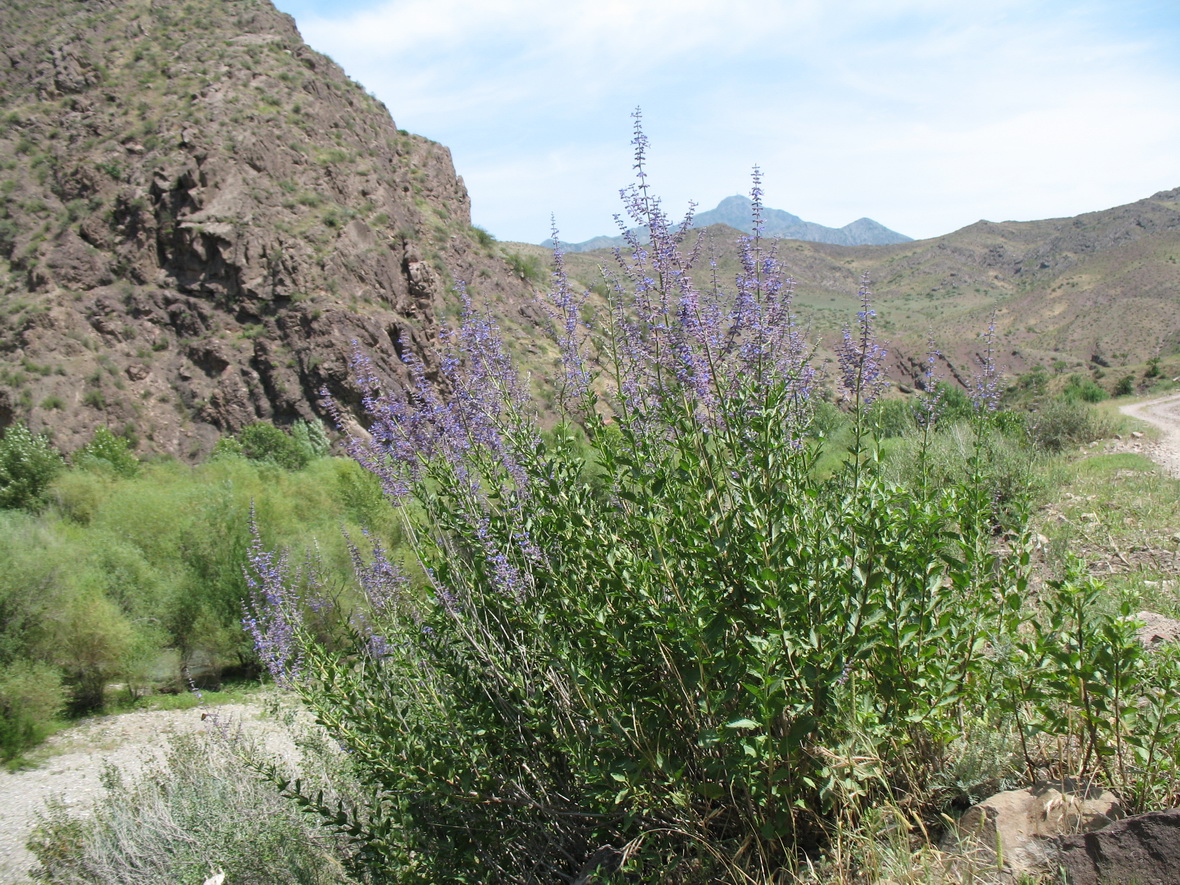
28, 464
683, 654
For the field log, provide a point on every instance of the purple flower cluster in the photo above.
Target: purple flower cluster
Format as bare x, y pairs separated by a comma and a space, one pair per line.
275, 609
566, 312
928, 408
674, 343
985, 388
861, 357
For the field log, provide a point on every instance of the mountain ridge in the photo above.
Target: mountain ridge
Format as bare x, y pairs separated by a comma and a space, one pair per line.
1080, 293
736, 212
202, 218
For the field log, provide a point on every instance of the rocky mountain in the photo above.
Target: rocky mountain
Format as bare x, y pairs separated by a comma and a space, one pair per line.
200, 215
735, 212
1097, 291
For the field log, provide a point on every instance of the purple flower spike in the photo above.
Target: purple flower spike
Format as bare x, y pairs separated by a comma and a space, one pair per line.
928, 408
985, 392
862, 359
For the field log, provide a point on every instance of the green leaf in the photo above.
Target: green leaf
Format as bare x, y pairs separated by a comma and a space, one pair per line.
742, 723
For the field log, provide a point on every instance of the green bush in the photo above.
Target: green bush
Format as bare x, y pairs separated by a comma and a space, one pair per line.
31, 700
891, 418
28, 464
1007, 467
528, 267
311, 438
91, 638
265, 442
1064, 423
698, 651
107, 452
1081, 388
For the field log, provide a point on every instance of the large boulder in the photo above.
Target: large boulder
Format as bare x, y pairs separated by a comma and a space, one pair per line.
1013, 831
1143, 850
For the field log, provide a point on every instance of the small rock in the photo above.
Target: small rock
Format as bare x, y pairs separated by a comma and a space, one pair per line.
1135, 434
1156, 629
1013, 828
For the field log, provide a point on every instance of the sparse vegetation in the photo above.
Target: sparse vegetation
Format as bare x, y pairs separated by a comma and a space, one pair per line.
199, 809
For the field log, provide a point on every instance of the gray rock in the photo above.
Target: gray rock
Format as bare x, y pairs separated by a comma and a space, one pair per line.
1011, 831
1143, 850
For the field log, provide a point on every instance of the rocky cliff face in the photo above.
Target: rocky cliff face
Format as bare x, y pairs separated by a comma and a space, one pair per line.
199, 216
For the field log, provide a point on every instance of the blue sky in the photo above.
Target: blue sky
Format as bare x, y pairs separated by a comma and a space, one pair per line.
925, 115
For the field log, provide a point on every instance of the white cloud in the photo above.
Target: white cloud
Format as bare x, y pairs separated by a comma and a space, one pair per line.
922, 114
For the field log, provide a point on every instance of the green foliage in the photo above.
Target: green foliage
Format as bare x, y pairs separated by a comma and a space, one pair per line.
31, 699
1125, 386
718, 643
890, 418
107, 452
1034, 382
198, 810
311, 439
135, 578
1064, 423
90, 638
263, 441
956, 405
482, 237
28, 463
960, 454
1084, 389
1114, 701
529, 268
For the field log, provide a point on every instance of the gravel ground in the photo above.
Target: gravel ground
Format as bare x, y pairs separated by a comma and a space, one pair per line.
74, 758
1163, 413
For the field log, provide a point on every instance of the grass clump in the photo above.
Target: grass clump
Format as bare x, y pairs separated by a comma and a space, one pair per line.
1063, 423
199, 810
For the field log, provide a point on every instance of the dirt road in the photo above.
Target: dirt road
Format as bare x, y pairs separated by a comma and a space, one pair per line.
1163, 413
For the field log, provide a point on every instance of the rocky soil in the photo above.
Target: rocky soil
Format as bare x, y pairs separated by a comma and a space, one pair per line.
73, 760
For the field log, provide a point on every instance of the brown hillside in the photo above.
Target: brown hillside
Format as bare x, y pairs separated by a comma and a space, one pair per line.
200, 214
1100, 288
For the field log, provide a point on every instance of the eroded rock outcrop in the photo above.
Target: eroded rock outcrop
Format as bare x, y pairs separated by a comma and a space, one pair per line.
201, 216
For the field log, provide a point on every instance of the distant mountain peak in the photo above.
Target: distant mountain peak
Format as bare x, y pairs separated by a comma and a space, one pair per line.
736, 212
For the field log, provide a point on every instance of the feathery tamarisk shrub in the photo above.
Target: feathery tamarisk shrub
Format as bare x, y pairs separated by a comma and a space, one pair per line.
690, 657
